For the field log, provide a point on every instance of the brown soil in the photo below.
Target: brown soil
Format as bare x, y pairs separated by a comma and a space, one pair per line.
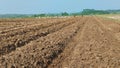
78, 42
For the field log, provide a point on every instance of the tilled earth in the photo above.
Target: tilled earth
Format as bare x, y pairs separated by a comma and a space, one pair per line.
76, 42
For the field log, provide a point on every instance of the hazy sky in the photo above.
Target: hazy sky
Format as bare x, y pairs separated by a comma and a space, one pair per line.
54, 6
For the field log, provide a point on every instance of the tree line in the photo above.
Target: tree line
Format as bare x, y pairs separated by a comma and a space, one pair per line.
84, 12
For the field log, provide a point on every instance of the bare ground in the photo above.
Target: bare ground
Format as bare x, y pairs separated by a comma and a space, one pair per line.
80, 42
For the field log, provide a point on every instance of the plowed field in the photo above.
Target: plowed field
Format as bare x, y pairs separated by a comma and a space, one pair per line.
76, 42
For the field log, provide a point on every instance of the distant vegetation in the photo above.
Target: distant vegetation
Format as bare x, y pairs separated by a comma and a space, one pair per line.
93, 12
52, 15
15, 15
84, 12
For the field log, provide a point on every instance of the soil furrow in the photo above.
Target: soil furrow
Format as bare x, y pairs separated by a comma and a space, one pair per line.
7, 26
57, 63
40, 54
97, 48
28, 29
19, 41
30, 24
77, 42
112, 26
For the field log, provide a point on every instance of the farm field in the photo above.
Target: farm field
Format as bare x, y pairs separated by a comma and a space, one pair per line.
111, 16
73, 42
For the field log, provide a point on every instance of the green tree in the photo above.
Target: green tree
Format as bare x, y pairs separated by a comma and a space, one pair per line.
64, 14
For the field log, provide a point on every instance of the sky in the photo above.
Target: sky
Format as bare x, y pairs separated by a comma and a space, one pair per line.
54, 6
